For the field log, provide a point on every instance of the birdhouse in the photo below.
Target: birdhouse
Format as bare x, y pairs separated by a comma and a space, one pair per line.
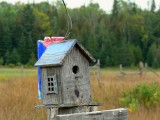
65, 74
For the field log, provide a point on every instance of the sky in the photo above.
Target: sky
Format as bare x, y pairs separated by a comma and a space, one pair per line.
106, 5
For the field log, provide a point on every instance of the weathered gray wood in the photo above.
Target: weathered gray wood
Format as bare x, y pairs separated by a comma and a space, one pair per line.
50, 98
75, 87
71, 110
53, 112
141, 68
66, 106
116, 114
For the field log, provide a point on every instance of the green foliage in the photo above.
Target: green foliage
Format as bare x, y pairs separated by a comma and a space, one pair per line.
151, 54
32, 59
137, 52
7, 58
1, 61
153, 6
124, 55
15, 58
42, 24
11, 65
116, 8
144, 94
125, 36
156, 61
154, 56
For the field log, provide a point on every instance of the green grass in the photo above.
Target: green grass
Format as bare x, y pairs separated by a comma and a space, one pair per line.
9, 73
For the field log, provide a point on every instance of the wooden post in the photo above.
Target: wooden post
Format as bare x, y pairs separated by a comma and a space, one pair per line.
22, 71
121, 70
145, 67
98, 70
141, 68
52, 112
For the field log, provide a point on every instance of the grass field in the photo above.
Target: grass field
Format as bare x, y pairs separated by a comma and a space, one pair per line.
7, 74
18, 93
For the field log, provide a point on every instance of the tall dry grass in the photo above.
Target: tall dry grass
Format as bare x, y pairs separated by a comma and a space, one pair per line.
19, 96
111, 86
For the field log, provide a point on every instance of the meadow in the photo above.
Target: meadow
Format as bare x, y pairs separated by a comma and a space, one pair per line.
18, 93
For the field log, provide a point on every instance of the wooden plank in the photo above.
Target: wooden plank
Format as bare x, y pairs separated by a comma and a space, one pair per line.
52, 112
115, 114
66, 105
75, 90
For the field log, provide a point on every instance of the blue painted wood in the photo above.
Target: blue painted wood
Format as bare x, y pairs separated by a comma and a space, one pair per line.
40, 48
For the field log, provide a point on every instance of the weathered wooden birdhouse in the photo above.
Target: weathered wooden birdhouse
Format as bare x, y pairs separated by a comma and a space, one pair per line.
65, 74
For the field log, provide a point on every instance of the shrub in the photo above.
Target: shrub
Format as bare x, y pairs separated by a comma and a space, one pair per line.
19, 64
142, 94
1, 61
11, 65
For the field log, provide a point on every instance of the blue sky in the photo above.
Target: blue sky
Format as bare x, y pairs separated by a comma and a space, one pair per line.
104, 4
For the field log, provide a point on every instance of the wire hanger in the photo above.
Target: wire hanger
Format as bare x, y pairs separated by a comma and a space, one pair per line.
69, 22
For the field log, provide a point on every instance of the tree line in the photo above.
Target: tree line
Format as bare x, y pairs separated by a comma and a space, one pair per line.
125, 36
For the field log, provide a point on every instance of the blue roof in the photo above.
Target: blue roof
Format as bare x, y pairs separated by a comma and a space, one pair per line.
56, 52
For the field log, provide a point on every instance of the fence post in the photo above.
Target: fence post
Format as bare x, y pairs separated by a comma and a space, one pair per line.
141, 68
98, 70
22, 71
121, 69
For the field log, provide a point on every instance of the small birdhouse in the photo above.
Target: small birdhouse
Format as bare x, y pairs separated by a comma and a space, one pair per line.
65, 74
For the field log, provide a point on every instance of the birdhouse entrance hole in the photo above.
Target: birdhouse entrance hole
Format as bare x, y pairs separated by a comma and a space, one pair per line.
75, 69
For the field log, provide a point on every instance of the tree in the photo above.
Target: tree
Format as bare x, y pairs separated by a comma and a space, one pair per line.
32, 59
116, 9
27, 19
25, 24
1, 39
151, 54
153, 6
1, 61
22, 49
126, 36
14, 57
156, 59
124, 55
42, 25
7, 58
138, 56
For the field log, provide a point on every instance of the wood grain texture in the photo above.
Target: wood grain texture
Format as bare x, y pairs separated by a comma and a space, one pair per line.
76, 87
117, 114
50, 98
53, 112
